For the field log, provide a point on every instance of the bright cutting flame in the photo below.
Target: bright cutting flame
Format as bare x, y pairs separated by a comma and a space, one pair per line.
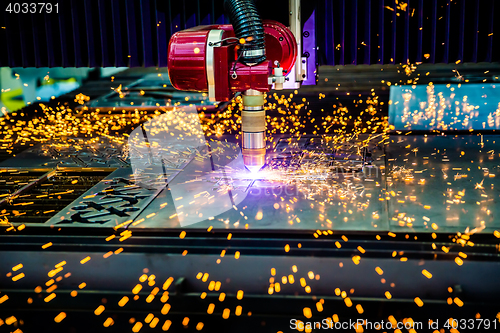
254, 170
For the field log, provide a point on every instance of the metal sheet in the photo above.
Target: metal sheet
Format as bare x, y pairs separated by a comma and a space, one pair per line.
308, 184
443, 183
445, 107
114, 201
75, 153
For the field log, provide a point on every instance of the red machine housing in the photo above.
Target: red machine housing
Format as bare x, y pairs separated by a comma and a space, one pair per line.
187, 60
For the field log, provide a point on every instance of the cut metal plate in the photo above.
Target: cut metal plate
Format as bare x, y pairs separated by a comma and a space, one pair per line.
34, 196
113, 201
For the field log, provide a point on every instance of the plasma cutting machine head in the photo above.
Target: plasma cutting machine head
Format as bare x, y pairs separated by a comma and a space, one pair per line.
250, 56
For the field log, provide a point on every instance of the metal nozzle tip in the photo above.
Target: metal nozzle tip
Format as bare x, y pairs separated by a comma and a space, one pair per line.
254, 159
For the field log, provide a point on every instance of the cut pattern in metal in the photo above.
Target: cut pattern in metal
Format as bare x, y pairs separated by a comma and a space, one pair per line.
118, 199
35, 195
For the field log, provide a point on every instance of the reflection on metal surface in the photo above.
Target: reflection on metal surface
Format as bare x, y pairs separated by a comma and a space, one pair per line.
445, 107
214, 36
215, 189
443, 183
208, 180
165, 144
172, 150
254, 140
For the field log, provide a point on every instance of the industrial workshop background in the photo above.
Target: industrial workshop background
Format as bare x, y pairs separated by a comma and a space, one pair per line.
104, 33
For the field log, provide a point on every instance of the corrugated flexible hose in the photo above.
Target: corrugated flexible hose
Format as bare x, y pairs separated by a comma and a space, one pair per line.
246, 23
